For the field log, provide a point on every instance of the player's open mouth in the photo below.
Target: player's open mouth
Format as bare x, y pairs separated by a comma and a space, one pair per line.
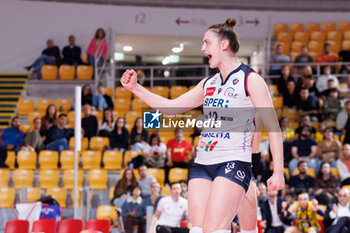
209, 56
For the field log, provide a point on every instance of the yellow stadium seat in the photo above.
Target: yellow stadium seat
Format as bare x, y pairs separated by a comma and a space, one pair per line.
346, 45
107, 212
329, 26
122, 104
165, 191
117, 114
60, 194
84, 143
286, 171
33, 194
161, 90
99, 143
49, 72
313, 27
310, 171
122, 93
314, 55
315, 46
293, 55
109, 92
334, 36
177, 174
297, 45
23, 178
48, 159
66, 72
84, 72
10, 159
296, 27
280, 27
166, 136
26, 159
71, 119
318, 137
301, 37
5, 177
25, 127
68, 178
138, 105
330, 123
97, 114
111, 193
129, 155
273, 89
158, 174
277, 101
91, 159
285, 47
318, 36
344, 26
347, 35
284, 37
335, 171
113, 160
25, 106
97, 179
335, 46
67, 159
7, 197
131, 116
33, 115
176, 91
290, 113
49, 178
64, 104
42, 104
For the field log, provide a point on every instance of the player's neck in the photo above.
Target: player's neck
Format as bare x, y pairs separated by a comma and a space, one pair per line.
229, 64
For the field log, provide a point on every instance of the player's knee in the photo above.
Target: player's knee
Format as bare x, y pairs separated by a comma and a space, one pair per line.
196, 230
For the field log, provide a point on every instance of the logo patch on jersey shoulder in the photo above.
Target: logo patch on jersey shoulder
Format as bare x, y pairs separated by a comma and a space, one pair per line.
213, 81
230, 92
210, 91
229, 167
235, 81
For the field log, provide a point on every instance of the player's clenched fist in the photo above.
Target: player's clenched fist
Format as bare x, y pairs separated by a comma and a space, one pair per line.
129, 79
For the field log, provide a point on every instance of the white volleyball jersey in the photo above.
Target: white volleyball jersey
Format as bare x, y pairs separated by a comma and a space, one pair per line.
229, 102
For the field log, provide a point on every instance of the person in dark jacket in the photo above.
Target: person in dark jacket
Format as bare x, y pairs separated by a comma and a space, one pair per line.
89, 122
119, 137
58, 135
71, 53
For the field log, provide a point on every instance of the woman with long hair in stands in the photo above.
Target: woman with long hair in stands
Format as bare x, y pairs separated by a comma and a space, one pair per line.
106, 124
221, 172
123, 187
98, 48
49, 119
138, 136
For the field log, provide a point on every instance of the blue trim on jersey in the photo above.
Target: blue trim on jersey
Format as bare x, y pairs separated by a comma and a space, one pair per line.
207, 80
247, 70
229, 75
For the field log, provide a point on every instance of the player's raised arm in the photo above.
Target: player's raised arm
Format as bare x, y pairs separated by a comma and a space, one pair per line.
185, 102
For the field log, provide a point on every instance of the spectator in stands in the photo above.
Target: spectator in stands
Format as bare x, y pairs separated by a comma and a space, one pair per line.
58, 136
138, 136
177, 152
98, 48
342, 118
307, 71
322, 80
154, 198
282, 81
327, 56
123, 187
344, 56
277, 57
86, 95
184, 188
305, 120
98, 99
133, 212
49, 56
155, 152
337, 217
326, 184
330, 86
332, 105
302, 181
345, 91
89, 122
145, 181
119, 137
289, 95
343, 165
262, 193
287, 149
170, 211
49, 119
71, 53
304, 57
107, 124
329, 149
272, 209
308, 104
33, 140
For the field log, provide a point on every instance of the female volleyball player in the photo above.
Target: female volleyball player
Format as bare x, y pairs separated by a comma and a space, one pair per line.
221, 173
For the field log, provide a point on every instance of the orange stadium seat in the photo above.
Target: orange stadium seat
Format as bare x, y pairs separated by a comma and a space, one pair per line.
67, 159
290, 113
113, 160
296, 46
26, 159
42, 104
176, 91
66, 72
33, 194
99, 143
284, 37
97, 179
296, 27
23, 178
313, 27
335, 46
177, 174
49, 178
344, 26
334, 36
71, 119
314, 55
48, 159
277, 101
138, 105
10, 160
5, 177
129, 155
293, 55
301, 36
329, 26
345, 45
122, 104
84, 143
25, 106
64, 105
48, 72
131, 116
7, 197
32, 115
158, 174
68, 178
26, 127
91, 159
117, 114
280, 27
318, 36
107, 212
122, 93
347, 35
315, 46
161, 90
335, 171
109, 92
84, 72
60, 194
97, 114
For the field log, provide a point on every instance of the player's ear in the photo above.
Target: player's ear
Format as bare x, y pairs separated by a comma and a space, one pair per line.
225, 44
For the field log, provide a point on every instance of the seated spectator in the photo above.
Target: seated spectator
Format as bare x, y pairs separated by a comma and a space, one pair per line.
305, 120
89, 122
327, 56
289, 95
302, 181
133, 213
48, 120
155, 152
330, 87
337, 216
98, 99
304, 57
272, 209
138, 135
86, 95
304, 149
33, 140
321, 83
277, 57
326, 184
145, 181
282, 81
170, 212
342, 118
343, 165
58, 136
345, 91
308, 104
11, 139
49, 56
98, 48
119, 137
107, 124
329, 149
177, 153
123, 187
154, 198
262, 193
344, 56
71, 53
184, 188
